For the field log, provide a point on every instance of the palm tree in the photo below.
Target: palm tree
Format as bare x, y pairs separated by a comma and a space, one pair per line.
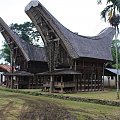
111, 13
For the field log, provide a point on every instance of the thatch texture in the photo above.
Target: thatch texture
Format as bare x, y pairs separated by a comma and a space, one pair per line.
98, 47
29, 51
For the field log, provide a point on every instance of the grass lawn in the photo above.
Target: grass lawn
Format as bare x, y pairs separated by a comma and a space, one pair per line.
16, 106
107, 94
103, 95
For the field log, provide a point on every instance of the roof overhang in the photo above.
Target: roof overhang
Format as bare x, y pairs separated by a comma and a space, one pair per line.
60, 72
19, 73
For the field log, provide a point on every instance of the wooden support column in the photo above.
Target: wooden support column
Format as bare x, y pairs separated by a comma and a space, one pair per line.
95, 82
17, 82
32, 83
61, 84
51, 84
103, 78
6, 81
92, 82
115, 81
109, 81
98, 83
11, 84
74, 77
29, 83
1, 79
36, 79
76, 84
88, 84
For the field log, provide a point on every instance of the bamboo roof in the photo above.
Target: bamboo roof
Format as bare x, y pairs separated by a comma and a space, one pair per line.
29, 51
77, 46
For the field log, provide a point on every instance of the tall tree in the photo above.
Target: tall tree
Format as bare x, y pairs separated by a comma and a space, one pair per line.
113, 48
26, 31
111, 12
5, 52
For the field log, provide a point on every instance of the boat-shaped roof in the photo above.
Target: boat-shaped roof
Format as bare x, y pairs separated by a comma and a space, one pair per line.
98, 47
29, 51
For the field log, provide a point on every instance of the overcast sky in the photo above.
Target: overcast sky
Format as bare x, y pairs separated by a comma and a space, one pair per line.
82, 16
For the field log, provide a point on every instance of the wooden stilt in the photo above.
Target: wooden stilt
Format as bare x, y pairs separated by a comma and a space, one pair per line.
61, 84
51, 84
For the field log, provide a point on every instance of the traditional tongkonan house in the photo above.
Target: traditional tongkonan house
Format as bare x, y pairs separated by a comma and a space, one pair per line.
26, 58
76, 62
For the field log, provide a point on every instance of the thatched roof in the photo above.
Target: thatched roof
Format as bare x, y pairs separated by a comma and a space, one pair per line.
18, 73
77, 46
29, 51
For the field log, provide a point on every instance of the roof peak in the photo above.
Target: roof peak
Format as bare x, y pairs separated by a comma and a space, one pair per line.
33, 3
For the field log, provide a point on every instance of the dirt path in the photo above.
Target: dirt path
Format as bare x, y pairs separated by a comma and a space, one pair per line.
43, 110
16, 106
5, 109
35, 109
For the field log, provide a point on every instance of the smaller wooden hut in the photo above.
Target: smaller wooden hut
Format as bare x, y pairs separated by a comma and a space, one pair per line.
111, 77
61, 80
20, 79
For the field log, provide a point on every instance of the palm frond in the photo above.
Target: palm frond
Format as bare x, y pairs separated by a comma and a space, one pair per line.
105, 11
112, 1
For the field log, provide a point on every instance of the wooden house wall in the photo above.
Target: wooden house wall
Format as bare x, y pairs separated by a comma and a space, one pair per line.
37, 66
63, 60
92, 72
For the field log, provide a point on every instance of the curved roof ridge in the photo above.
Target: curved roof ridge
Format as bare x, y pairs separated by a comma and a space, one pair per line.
26, 48
101, 35
33, 3
53, 24
12, 34
77, 45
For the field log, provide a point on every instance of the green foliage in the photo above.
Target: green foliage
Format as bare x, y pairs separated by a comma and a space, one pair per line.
27, 32
111, 12
5, 52
114, 53
113, 48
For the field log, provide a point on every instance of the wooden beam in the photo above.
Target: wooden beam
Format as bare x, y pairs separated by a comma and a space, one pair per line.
51, 84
